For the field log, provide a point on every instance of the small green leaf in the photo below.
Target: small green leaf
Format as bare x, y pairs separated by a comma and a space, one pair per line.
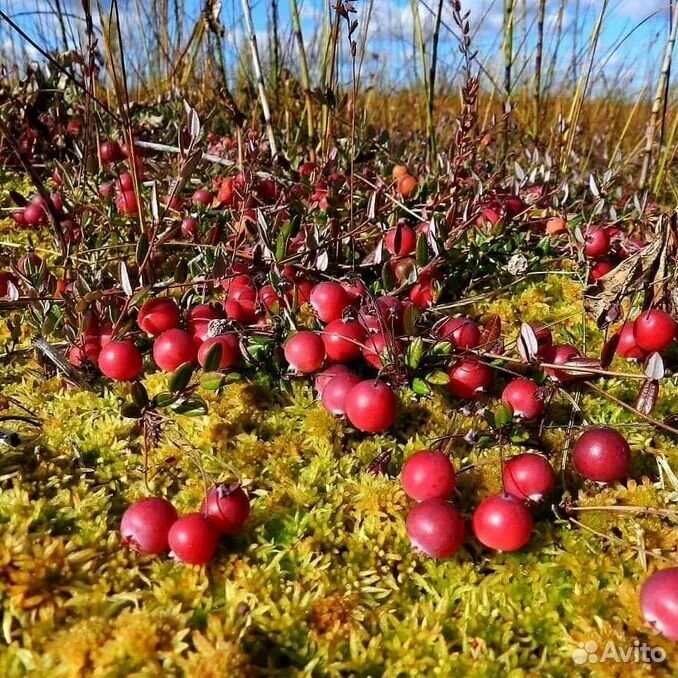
142, 248
212, 381
439, 378
213, 358
441, 348
415, 351
387, 278
503, 415
165, 399
420, 387
412, 313
139, 394
422, 250
181, 378
130, 411
191, 407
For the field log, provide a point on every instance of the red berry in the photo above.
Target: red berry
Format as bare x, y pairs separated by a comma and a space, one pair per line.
428, 475
529, 476
145, 525
193, 539
401, 240
126, 203
125, 182
436, 528
597, 242
355, 289
87, 350
198, 319
343, 340
158, 315
270, 298
35, 215
336, 391
227, 507
544, 339
230, 350
524, 398
327, 375
560, 354
659, 602
654, 330
599, 269
300, 293
602, 454
305, 352
422, 294
189, 228
378, 349
469, 377
202, 198
19, 218
503, 523
461, 332
121, 360
243, 311
371, 406
174, 348
328, 300
627, 346
110, 152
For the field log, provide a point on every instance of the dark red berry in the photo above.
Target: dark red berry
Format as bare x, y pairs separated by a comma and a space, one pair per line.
110, 152
529, 476
327, 375
654, 330
230, 350
436, 528
174, 348
468, 378
227, 507
659, 602
344, 340
336, 391
202, 198
158, 315
305, 352
194, 539
428, 475
145, 525
503, 523
560, 354
524, 398
121, 360
401, 240
329, 300
597, 242
602, 454
461, 332
627, 346
371, 406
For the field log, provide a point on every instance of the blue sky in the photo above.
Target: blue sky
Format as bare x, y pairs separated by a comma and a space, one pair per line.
390, 52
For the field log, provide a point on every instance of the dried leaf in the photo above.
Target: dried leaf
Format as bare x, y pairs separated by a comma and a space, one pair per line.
527, 343
647, 396
654, 367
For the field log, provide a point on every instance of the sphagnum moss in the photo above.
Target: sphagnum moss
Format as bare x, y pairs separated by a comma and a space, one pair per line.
323, 580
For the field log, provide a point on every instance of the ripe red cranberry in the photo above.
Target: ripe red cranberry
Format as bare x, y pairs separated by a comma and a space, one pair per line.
560, 354
202, 198
305, 352
269, 298
198, 319
436, 528
659, 602
35, 214
602, 454
469, 377
529, 476
327, 375
503, 523
158, 315
126, 203
596, 242
544, 339
371, 406
627, 346
461, 332
125, 182
174, 348
244, 311
378, 349
110, 152
233, 282
230, 350
227, 192
524, 399
329, 300
422, 294
336, 391
400, 241
428, 475
19, 218
300, 293
227, 507
189, 228
5, 279
654, 330
343, 340
86, 350
193, 539
599, 269
121, 360
145, 525
355, 289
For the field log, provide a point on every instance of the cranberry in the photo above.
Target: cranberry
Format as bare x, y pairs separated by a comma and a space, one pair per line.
597, 242
560, 354
659, 602
544, 339
19, 218
199, 318
654, 330
400, 241
126, 203
145, 525
35, 215
503, 523
436, 528
87, 350
343, 340
243, 311
327, 375
202, 198
121, 360
227, 507
602, 454
189, 228
234, 282
468, 377
377, 348
110, 152
371, 406
230, 350
461, 332
305, 352
428, 475
174, 348
125, 182
355, 289
193, 539
627, 346
523, 396
422, 294
328, 300
270, 298
599, 269
158, 315
300, 293
336, 391
529, 476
